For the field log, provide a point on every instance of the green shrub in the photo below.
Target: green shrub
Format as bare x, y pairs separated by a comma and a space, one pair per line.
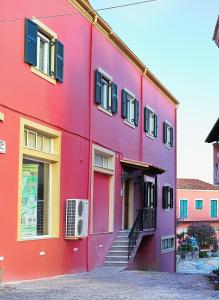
203, 254
216, 271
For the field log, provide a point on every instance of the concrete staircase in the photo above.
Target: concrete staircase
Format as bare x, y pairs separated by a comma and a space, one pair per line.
118, 255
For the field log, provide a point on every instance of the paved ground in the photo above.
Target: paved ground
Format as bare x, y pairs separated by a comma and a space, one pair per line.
111, 283
198, 266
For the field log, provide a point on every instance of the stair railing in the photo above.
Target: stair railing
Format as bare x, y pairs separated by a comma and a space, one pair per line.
146, 219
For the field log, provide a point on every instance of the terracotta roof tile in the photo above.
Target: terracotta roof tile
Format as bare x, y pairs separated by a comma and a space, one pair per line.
195, 184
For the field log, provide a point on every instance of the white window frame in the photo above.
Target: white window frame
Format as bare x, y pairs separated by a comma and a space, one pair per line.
27, 130
172, 237
168, 134
151, 131
47, 53
107, 79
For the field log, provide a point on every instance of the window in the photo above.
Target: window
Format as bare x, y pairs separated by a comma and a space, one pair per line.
149, 194
183, 209
150, 122
213, 208
43, 51
130, 108
198, 204
167, 134
167, 244
101, 160
167, 197
37, 141
106, 92
39, 187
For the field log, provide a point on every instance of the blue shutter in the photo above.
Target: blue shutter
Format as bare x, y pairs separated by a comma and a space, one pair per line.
155, 125
136, 112
171, 136
114, 99
165, 132
98, 87
183, 209
124, 104
213, 208
59, 61
146, 119
30, 48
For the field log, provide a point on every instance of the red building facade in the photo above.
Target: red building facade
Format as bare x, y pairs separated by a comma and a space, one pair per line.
81, 117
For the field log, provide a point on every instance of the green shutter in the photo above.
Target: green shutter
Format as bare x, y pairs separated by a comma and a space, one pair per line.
183, 209
213, 208
155, 125
124, 104
114, 99
171, 198
165, 132
59, 61
146, 119
30, 48
136, 112
98, 87
171, 136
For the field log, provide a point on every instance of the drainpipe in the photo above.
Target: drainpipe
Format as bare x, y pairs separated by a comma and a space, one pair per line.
142, 115
175, 138
90, 137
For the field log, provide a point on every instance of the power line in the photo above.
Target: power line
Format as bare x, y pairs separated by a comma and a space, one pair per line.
77, 13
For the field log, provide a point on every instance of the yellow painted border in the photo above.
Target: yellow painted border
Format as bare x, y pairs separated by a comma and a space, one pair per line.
54, 160
52, 36
92, 16
110, 171
2, 117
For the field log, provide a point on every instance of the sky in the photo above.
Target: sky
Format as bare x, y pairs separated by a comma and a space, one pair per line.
174, 40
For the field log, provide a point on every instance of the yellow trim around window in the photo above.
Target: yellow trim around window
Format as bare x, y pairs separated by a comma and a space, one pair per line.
54, 160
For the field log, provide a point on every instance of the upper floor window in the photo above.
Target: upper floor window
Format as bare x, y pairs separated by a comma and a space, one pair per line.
167, 134
150, 122
183, 209
43, 51
106, 92
130, 108
198, 204
167, 244
149, 194
167, 197
214, 208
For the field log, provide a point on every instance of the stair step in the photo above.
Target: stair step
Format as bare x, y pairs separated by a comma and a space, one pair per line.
122, 237
118, 253
117, 258
123, 243
116, 264
123, 233
120, 248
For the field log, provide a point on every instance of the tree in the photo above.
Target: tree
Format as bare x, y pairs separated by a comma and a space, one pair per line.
204, 233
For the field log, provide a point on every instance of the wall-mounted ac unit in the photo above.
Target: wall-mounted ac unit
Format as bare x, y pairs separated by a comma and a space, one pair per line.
76, 218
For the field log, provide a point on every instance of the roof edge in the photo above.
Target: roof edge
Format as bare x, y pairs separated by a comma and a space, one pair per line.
87, 10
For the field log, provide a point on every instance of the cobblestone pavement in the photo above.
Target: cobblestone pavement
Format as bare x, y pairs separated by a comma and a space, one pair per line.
111, 283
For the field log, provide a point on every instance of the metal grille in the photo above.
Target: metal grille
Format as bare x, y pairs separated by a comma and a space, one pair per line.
70, 218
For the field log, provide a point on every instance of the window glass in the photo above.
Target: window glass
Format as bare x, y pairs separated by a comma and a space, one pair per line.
40, 142
130, 109
25, 137
35, 198
167, 244
101, 160
31, 139
47, 144
43, 53
105, 93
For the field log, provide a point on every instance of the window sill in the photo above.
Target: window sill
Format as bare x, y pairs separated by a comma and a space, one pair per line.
168, 146
150, 136
105, 111
167, 209
43, 75
129, 124
167, 250
36, 238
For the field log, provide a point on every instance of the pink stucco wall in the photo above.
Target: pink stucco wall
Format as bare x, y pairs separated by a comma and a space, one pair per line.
69, 107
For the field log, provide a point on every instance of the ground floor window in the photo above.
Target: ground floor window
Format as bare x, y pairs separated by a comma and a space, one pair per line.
39, 181
35, 198
167, 244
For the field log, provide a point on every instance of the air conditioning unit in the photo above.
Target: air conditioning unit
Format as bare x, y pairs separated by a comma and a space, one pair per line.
76, 218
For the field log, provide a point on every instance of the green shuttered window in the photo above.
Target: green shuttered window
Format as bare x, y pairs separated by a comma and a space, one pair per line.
183, 209
168, 135
130, 108
214, 208
43, 52
167, 197
198, 204
106, 94
150, 122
